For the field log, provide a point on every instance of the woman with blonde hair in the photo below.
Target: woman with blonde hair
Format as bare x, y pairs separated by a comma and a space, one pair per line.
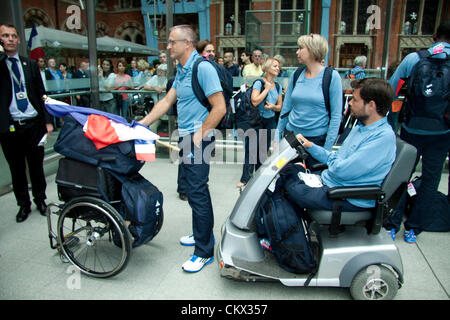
304, 108
144, 72
267, 97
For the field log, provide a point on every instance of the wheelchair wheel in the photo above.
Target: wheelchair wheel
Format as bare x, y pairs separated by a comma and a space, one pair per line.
103, 247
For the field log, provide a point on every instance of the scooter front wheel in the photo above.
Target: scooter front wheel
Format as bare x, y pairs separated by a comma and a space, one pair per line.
375, 282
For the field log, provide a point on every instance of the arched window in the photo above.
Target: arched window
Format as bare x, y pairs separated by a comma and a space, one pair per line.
130, 31
37, 17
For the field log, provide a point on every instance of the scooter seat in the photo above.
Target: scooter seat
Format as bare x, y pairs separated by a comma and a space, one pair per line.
323, 217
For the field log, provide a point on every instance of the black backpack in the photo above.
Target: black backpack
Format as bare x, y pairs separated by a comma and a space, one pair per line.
427, 100
226, 81
277, 220
326, 81
246, 114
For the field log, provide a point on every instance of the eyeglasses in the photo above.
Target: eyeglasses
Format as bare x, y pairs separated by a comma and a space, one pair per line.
173, 41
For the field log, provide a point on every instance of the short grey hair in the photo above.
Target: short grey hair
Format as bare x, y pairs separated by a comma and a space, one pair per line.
280, 58
188, 31
360, 61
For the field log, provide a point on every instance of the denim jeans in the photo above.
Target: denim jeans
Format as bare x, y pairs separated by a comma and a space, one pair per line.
109, 106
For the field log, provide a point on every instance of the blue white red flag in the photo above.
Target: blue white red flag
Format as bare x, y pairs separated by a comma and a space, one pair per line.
105, 128
34, 43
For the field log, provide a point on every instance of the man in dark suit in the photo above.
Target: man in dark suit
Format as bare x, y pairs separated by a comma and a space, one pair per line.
82, 73
24, 122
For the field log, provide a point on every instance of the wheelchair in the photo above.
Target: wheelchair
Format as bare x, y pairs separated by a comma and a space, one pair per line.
352, 250
140, 106
90, 231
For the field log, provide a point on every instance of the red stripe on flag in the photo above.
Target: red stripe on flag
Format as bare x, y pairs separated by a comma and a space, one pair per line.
145, 156
100, 131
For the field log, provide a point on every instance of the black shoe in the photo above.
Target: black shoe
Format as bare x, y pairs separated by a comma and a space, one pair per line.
183, 196
42, 207
23, 213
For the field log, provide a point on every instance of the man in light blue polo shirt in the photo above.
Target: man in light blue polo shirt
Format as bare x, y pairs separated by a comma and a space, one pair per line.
196, 126
365, 157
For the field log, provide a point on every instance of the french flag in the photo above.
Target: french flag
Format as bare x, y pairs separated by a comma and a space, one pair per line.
105, 128
34, 43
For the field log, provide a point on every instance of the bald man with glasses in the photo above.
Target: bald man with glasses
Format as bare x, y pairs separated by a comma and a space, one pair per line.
196, 127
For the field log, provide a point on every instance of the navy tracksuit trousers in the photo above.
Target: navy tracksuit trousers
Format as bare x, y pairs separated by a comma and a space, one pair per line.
193, 179
434, 150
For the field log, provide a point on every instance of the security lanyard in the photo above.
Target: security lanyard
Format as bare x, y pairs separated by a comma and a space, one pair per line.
17, 81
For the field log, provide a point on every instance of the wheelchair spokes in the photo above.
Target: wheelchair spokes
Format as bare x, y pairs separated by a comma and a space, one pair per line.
93, 237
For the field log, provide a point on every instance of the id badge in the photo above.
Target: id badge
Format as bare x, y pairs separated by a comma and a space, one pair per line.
21, 95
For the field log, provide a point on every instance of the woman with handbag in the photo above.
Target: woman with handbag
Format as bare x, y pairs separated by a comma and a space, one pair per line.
267, 97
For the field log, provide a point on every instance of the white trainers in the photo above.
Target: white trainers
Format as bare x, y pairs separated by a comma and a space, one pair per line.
196, 264
187, 240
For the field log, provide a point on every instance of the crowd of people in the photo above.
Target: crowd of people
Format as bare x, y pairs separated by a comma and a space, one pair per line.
138, 74
313, 114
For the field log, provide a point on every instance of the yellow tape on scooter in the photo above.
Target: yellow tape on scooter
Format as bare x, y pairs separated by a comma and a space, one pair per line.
281, 163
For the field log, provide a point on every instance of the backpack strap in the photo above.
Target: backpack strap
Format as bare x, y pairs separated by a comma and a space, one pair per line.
326, 81
297, 74
424, 53
198, 91
335, 225
277, 85
251, 89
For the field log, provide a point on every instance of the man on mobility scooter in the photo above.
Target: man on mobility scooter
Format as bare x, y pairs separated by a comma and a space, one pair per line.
345, 207
365, 157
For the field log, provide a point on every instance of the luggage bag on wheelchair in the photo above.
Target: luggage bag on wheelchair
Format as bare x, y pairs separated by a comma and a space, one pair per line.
98, 222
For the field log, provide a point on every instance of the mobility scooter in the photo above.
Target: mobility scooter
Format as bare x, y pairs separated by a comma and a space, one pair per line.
363, 257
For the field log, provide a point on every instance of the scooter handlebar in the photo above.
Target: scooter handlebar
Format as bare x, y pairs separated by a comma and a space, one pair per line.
295, 144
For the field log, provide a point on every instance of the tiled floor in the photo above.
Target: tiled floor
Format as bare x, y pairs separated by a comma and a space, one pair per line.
30, 269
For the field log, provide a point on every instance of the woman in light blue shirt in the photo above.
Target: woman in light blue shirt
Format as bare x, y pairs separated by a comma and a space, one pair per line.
267, 97
304, 101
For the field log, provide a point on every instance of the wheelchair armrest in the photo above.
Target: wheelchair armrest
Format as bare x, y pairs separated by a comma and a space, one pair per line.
355, 192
